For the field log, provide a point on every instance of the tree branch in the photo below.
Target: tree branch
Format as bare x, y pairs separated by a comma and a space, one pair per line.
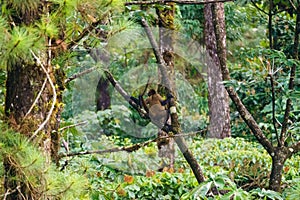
258, 8
274, 109
130, 148
73, 125
124, 94
53, 100
87, 30
160, 61
37, 98
78, 75
180, 141
292, 79
174, 1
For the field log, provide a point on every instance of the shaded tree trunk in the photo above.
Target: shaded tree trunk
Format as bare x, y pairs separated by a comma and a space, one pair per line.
219, 112
24, 82
28, 101
102, 94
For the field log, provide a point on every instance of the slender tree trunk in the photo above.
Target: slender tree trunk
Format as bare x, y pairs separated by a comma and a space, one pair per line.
166, 40
219, 126
102, 94
174, 117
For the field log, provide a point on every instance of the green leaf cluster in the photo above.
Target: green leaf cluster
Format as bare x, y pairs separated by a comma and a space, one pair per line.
31, 169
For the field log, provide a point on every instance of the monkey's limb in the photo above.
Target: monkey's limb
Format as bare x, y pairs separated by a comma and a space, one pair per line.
131, 100
143, 103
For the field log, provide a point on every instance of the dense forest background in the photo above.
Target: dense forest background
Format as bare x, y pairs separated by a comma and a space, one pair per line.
71, 73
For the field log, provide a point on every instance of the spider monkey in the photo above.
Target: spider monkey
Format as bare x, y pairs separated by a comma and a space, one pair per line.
158, 108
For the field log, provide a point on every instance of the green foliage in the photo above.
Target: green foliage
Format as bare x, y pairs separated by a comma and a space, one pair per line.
18, 44
239, 170
32, 170
293, 192
252, 82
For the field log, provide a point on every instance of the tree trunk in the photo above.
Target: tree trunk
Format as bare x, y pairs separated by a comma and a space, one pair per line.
166, 40
219, 114
281, 154
174, 117
24, 82
102, 94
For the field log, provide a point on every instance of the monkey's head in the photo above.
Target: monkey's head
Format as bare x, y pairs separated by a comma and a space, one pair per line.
151, 92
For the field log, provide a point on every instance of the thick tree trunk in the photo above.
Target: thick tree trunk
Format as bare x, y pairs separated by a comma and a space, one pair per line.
24, 83
219, 126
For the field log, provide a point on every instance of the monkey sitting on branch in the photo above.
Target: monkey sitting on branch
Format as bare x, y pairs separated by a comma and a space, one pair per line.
157, 111
159, 115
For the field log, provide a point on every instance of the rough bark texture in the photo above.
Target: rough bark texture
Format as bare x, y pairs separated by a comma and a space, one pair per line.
219, 126
24, 82
281, 154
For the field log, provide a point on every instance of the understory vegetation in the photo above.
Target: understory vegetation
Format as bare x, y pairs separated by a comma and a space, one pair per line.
112, 153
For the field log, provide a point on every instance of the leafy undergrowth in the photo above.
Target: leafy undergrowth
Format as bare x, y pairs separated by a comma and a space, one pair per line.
28, 167
239, 170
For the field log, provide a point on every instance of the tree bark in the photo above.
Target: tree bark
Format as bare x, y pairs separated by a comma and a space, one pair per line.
219, 114
174, 117
24, 82
31, 93
281, 154
166, 40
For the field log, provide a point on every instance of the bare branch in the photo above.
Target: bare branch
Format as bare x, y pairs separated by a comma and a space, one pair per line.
174, 1
292, 78
160, 61
124, 94
37, 98
87, 30
258, 8
73, 125
41, 126
78, 75
273, 108
293, 5
130, 148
